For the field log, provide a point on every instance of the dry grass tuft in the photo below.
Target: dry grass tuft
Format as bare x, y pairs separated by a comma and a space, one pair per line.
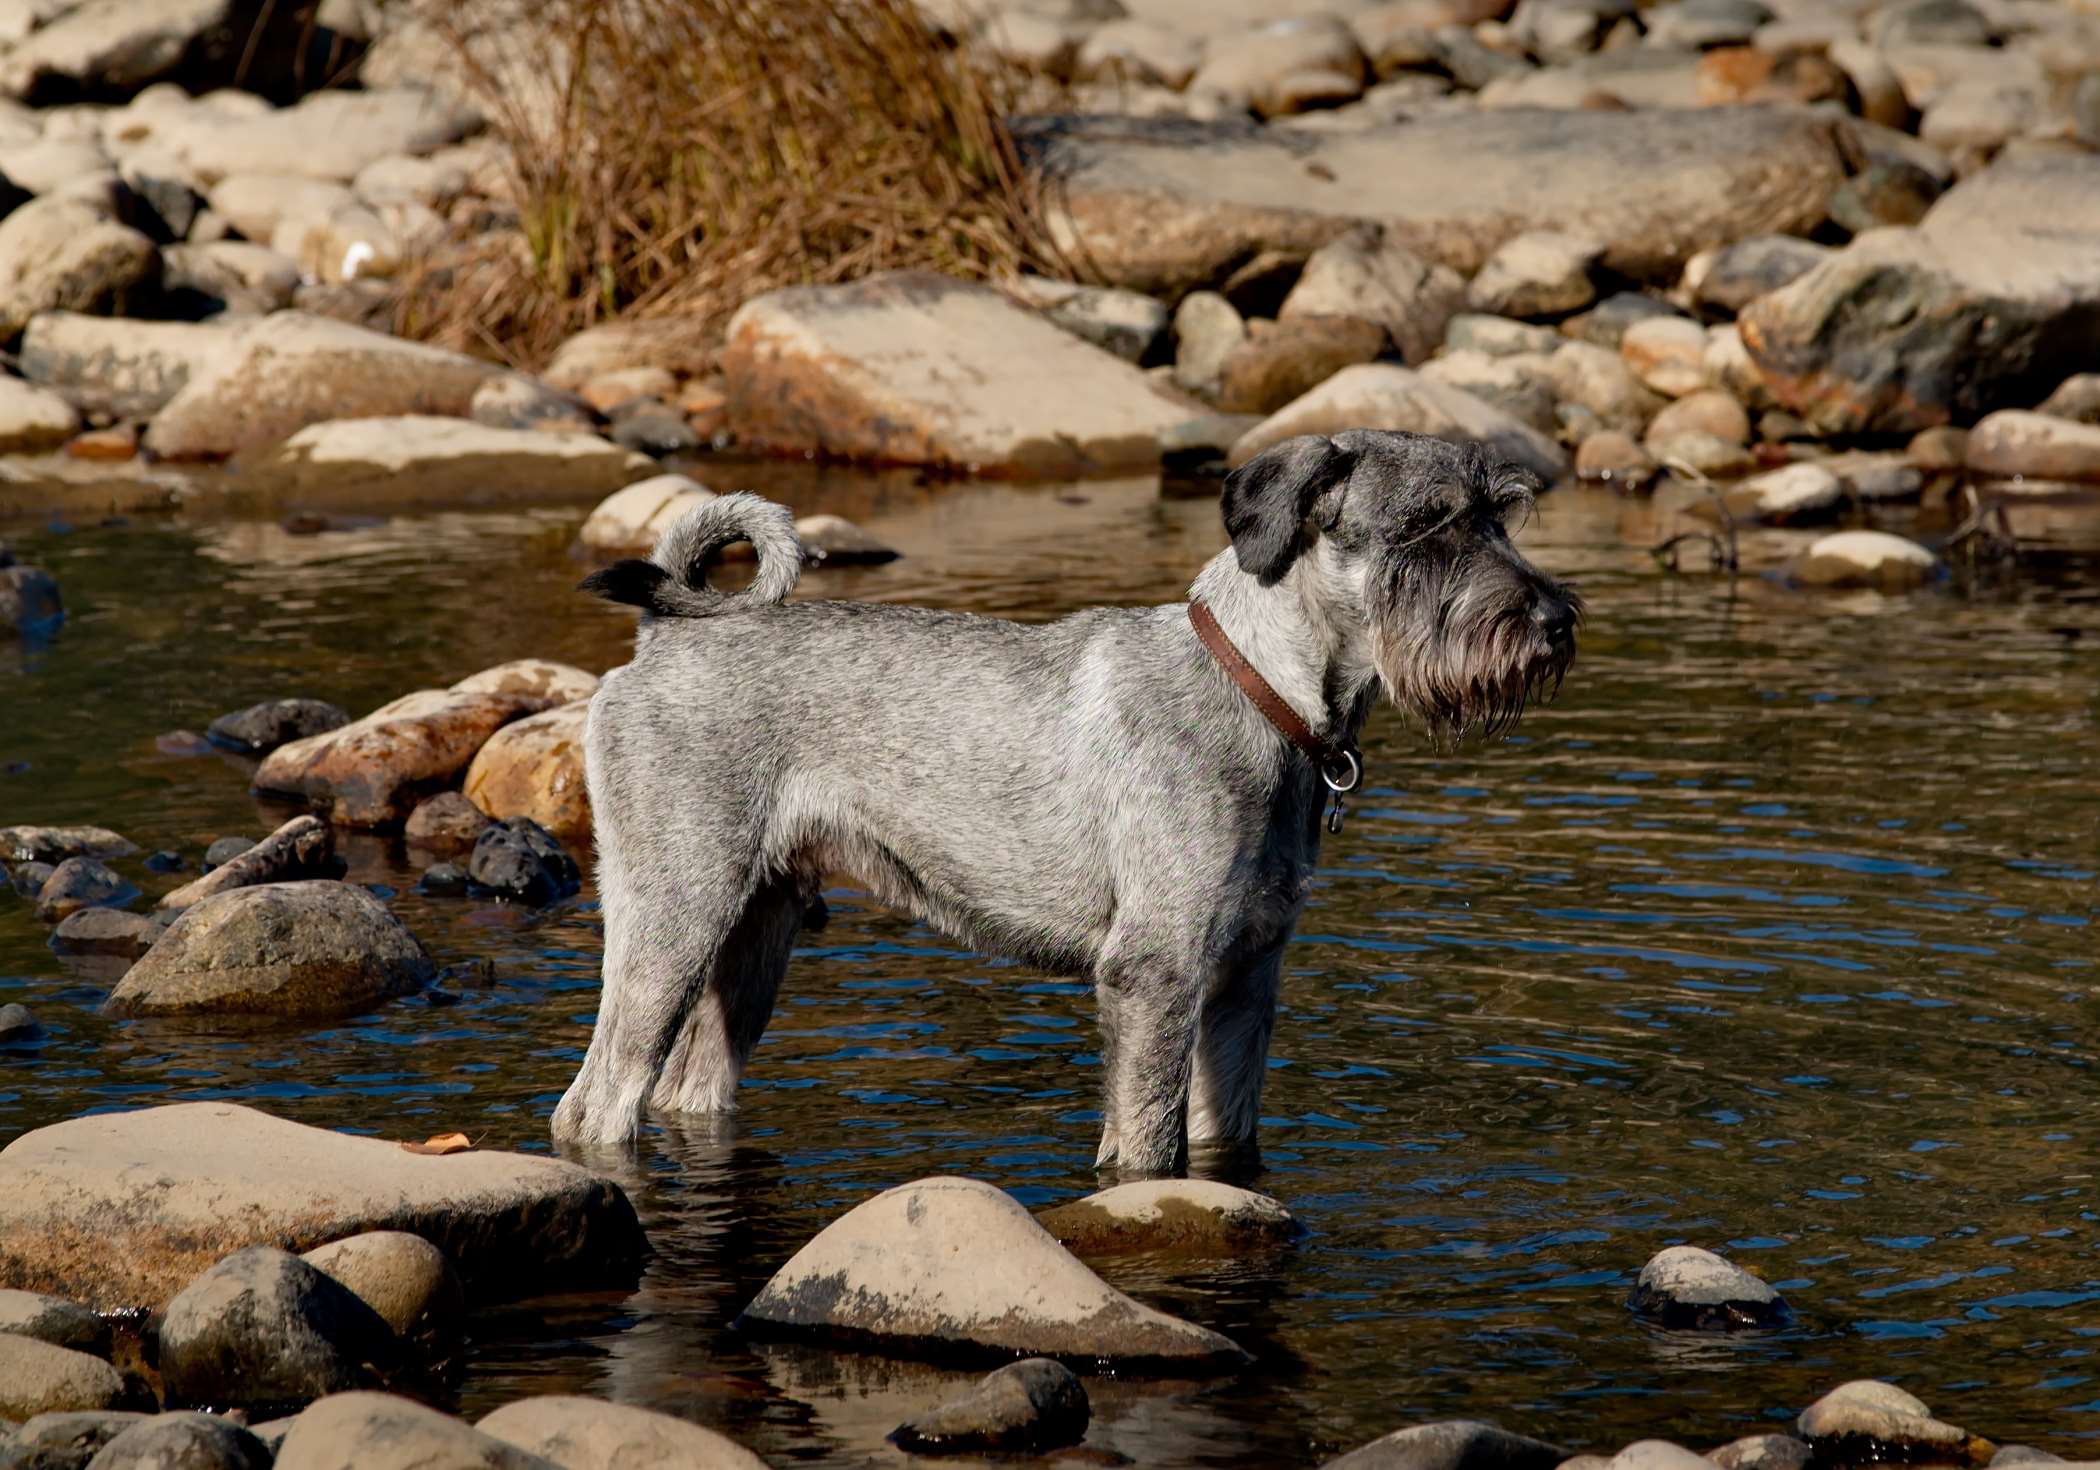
681, 156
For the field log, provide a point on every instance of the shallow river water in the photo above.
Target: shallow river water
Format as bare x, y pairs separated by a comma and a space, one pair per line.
1775, 934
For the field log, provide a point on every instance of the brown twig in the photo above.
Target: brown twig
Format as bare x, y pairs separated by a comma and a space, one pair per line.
1725, 552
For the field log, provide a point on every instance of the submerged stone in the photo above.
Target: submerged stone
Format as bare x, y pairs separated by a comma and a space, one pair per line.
1034, 1405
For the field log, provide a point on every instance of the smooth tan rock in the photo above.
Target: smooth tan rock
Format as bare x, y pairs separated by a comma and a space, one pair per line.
954, 1266
1279, 67
590, 1434
251, 280
404, 1279
55, 1320
1864, 559
1521, 385
331, 134
534, 768
43, 1378
305, 949
2036, 446
1615, 458
1537, 273
32, 844
1169, 207
256, 204
1668, 353
61, 254
550, 683
1796, 492
1599, 379
129, 369
1686, 1286
373, 771
290, 370
301, 848
914, 368
32, 419
1138, 50
419, 457
1893, 1424
1708, 411
1282, 360
125, 1209
447, 822
1388, 396
679, 345
1762, 1452
377, 1431
632, 519
1170, 1214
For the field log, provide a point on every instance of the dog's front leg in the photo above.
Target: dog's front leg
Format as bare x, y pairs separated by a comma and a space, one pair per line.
1232, 1055
1148, 1025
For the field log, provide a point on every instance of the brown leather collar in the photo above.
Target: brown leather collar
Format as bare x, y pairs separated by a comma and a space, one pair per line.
1339, 763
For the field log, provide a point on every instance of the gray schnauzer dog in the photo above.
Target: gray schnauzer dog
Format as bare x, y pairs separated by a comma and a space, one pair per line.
1132, 795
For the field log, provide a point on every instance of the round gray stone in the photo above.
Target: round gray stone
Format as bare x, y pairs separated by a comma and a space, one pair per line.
1685, 1286
264, 1328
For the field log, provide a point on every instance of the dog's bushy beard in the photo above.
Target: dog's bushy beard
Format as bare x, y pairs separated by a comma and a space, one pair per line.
1458, 648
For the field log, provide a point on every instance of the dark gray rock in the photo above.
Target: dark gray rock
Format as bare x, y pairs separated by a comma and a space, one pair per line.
304, 847
1738, 274
1035, 1404
443, 880
183, 1442
82, 883
17, 1022
53, 1319
519, 859
1454, 1444
65, 1441
1604, 324
29, 600
106, 931
447, 822
56, 844
1702, 24
261, 728
225, 850
315, 948
165, 860
655, 431
1687, 1287
263, 1328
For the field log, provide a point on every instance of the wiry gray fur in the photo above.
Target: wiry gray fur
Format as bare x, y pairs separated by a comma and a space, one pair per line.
1093, 796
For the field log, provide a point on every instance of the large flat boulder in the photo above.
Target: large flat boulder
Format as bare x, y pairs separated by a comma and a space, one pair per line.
421, 457
1379, 395
125, 1209
1989, 302
289, 369
915, 368
128, 369
1169, 206
372, 772
956, 1267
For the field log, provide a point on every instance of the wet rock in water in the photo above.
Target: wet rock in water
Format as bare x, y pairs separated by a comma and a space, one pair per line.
915, 368
1282, 360
1207, 330
1033, 1405
29, 600
61, 253
182, 1441
590, 1434
1794, 493
1684, 1286
654, 430
28, 879
55, 1320
1168, 206
33, 419
304, 847
165, 860
224, 850
1866, 1421
1657, 1454
106, 931
1388, 396
66, 1441
17, 1023
2076, 398
1128, 324
1732, 277
1284, 66
1170, 1214
276, 949
518, 859
405, 1280
261, 728
951, 1266
1598, 379
1454, 1444
82, 883
542, 680
227, 1177
632, 519
448, 822
1708, 411
55, 844
1368, 276
1540, 273
290, 369
1615, 458
443, 880
1763, 1452
262, 1328
829, 540
1496, 336
1864, 559
1987, 302
1696, 452
377, 1431
432, 458
43, 1378
1668, 353
2036, 446
373, 771
1938, 450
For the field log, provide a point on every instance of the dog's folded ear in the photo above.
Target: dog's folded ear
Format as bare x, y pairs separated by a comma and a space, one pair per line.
1266, 500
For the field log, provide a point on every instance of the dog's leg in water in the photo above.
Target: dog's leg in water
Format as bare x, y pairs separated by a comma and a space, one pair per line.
1232, 1056
1148, 1026
729, 1016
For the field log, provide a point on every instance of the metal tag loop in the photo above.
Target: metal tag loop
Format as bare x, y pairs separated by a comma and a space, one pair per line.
1352, 767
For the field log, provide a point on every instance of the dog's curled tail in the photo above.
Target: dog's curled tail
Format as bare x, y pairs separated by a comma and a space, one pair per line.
672, 583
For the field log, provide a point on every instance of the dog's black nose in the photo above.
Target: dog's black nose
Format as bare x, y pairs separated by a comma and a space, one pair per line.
1554, 617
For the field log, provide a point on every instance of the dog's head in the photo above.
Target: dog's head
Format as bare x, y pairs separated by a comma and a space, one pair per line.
1461, 629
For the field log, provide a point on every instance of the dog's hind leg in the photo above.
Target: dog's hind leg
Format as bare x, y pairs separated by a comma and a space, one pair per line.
1232, 1055
725, 1021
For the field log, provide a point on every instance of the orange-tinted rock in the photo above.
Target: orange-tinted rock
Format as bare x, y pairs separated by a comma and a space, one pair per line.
534, 769
372, 773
